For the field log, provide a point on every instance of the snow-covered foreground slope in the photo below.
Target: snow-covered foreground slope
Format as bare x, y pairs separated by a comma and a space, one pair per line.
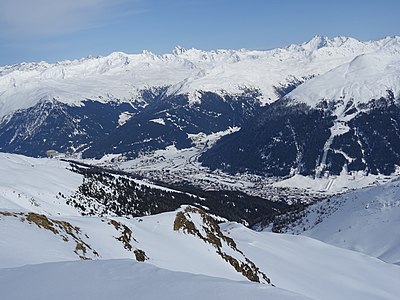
36, 184
33, 239
121, 76
124, 279
295, 263
366, 221
318, 270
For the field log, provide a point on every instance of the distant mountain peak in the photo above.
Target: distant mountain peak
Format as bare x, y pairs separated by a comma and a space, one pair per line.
178, 50
317, 42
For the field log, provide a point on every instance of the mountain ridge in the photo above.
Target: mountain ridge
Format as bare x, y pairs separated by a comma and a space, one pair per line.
121, 76
366, 77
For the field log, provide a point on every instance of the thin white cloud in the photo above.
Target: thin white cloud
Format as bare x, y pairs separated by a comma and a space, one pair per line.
41, 18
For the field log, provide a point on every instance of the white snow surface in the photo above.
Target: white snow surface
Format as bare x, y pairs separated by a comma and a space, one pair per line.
24, 243
124, 117
42, 185
368, 76
160, 121
295, 263
366, 220
121, 76
35, 184
316, 269
124, 279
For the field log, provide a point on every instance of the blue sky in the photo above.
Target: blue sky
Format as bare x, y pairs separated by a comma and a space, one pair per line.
52, 30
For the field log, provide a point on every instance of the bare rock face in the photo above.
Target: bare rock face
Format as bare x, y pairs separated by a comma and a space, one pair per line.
209, 231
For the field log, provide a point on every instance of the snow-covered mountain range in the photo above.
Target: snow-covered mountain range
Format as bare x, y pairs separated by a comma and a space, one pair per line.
121, 76
344, 119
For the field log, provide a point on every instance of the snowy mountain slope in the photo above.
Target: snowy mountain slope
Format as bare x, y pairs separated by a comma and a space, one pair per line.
94, 128
346, 120
170, 120
36, 184
366, 221
58, 126
44, 186
31, 240
294, 263
124, 279
366, 77
121, 76
315, 269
